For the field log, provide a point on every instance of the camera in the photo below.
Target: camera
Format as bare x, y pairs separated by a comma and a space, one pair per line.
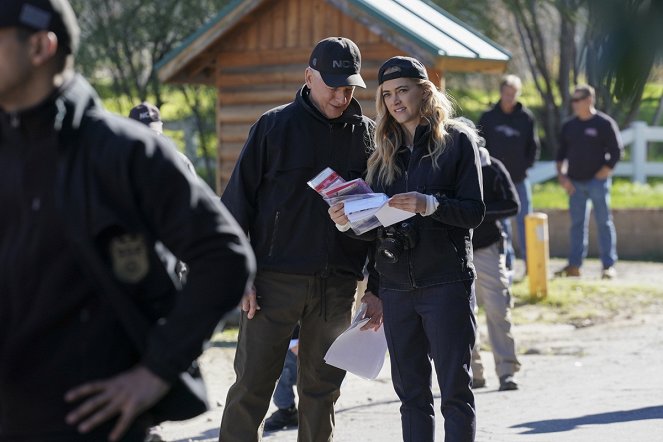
394, 240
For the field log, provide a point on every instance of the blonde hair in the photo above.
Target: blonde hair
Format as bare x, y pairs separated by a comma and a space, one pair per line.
436, 111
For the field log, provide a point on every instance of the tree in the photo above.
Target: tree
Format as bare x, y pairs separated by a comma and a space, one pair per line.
622, 43
124, 39
610, 44
547, 30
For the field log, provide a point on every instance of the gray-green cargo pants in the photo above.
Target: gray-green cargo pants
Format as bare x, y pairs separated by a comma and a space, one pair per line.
322, 306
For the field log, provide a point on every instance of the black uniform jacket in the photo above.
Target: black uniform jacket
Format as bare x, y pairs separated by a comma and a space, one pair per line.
443, 251
286, 220
501, 200
121, 188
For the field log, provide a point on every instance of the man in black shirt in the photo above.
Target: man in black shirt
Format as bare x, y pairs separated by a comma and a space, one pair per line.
509, 129
590, 147
84, 192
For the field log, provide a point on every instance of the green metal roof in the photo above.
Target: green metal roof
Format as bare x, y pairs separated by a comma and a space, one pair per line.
419, 21
433, 28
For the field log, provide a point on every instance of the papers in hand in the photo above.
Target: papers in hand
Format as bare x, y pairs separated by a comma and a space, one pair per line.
365, 210
390, 215
359, 351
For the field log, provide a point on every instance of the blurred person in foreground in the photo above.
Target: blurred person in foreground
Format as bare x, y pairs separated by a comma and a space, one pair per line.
76, 178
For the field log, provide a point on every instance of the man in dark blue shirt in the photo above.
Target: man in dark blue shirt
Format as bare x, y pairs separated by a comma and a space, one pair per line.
590, 147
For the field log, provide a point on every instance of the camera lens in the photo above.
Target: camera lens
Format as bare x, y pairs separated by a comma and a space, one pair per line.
390, 250
389, 255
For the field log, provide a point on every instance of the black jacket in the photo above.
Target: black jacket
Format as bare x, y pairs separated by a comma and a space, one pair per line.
511, 138
121, 188
501, 200
286, 220
443, 250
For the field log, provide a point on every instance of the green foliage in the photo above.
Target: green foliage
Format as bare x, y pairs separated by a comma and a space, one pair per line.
176, 107
123, 39
624, 40
625, 194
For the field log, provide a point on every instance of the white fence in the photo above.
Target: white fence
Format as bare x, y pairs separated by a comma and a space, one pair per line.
638, 135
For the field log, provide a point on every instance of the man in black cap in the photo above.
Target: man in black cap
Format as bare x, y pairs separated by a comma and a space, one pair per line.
89, 200
150, 116
307, 269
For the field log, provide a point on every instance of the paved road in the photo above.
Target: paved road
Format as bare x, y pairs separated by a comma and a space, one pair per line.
599, 383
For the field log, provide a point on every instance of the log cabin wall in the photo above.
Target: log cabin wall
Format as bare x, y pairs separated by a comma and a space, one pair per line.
260, 64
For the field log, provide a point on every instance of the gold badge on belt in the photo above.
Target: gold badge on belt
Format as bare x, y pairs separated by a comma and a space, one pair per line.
130, 258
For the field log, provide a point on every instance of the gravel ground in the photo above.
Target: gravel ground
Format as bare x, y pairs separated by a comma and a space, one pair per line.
596, 383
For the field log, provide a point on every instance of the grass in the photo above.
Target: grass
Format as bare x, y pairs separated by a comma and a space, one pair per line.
625, 194
583, 302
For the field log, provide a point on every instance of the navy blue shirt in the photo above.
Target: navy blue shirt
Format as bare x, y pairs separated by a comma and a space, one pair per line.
589, 145
511, 138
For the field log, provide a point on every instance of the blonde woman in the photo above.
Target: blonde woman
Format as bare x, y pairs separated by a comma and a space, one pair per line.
428, 164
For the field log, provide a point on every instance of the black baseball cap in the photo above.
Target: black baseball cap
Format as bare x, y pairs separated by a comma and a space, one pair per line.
339, 61
43, 15
403, 67
146, 113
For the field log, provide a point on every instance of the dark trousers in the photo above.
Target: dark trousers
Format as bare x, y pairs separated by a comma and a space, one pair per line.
323, 307
432, 323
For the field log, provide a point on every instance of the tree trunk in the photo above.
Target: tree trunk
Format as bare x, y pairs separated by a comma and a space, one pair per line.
658, 115
195, 106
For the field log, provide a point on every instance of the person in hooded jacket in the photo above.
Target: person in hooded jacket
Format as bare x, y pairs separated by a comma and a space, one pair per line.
307, 270
428, 163
74, 177
492, 287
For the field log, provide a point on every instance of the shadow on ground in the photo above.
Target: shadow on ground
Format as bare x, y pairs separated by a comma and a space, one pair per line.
560, 425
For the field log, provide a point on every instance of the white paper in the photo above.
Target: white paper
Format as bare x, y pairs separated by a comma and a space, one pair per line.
361, 204
390, 215
359, 351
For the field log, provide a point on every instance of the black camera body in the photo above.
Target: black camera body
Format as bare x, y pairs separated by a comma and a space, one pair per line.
394, 240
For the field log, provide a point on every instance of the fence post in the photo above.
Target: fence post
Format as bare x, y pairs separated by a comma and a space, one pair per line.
639, 151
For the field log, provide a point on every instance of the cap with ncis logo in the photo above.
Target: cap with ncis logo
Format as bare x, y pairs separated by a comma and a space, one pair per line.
148, 114
43, 15
338, 60
401, 67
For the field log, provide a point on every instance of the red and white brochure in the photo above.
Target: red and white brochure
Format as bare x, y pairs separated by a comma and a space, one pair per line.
325, 179
355, 187
361, 205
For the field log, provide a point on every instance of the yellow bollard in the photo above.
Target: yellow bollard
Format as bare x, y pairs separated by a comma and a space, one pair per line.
536, 228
